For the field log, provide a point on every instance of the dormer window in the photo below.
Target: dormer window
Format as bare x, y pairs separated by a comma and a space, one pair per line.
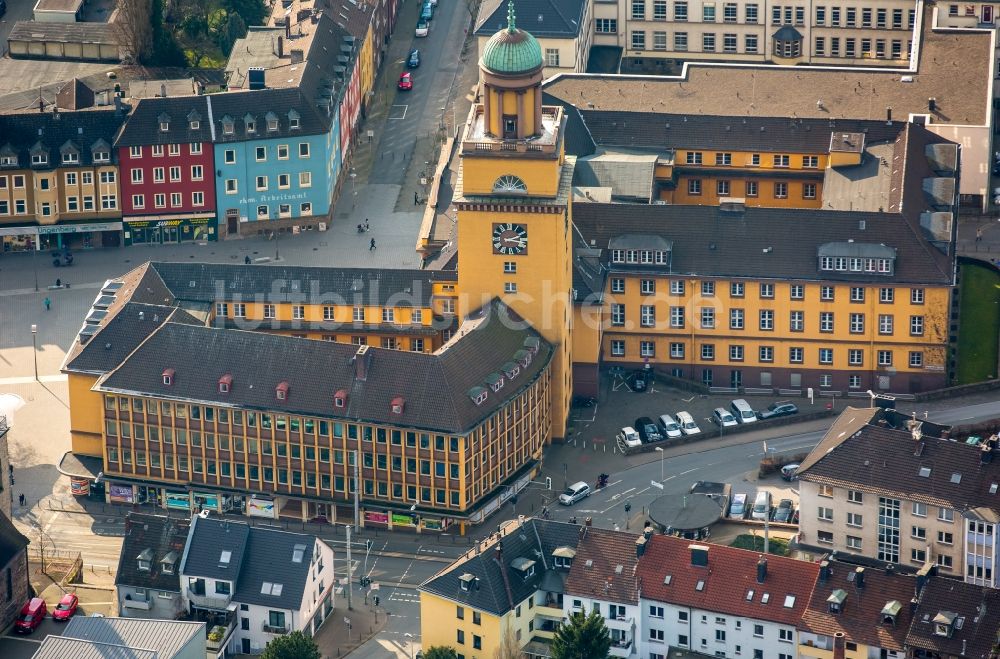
145, 560
478, 395
495, 380
272, 122
890, 611
523, 357
397, 405
39, 159
293, 119
168, 377
340, 398
164, 121
251, 124
194, 124
168, 563
944, 623
525, 566
70, 157
225, 383
467, 581
228, 126
511, 369
281, 391
102, 156
563, 557
836, 600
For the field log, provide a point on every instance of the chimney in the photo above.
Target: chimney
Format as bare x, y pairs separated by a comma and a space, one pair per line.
281, 46
838, 645
640, 546
914, 603
142, 315
288, 27
964, 641
362, 360
118, 105
859, 578
498, 553
761, 569
699, 555
932, 104
824, 571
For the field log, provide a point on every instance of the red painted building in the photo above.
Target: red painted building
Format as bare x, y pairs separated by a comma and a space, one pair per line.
167, 171
350, 109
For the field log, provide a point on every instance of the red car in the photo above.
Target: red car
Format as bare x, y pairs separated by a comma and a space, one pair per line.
405, 81
66, 607
32, 615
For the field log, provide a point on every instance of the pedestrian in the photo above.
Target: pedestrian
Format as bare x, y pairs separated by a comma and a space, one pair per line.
47, 302
979, 235
58, 283
246, 259
366, 224
416, 199
20, 499
372, 246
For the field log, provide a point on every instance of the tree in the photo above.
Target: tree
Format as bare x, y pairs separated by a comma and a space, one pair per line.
253, 12
440, 652
292, 646
509, 648
133, 29
583, 637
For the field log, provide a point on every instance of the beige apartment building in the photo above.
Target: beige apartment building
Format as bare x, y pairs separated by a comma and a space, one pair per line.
904, 491
657, 35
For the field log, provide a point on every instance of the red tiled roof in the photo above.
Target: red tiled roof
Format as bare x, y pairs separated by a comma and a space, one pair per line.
861, 619
977, 607
595, 572
730, 575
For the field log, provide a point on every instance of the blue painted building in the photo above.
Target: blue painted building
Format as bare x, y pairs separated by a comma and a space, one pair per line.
276, 158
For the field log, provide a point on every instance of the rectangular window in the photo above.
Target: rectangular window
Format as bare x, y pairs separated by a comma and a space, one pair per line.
855, 357
606, 25
916, 325
736, 319
676, 317
795, 355
680, 11
808, 190
638, 40
677, 351
766, 320
826, 321
638, 10
618, 315
780, 190
857, 323
694, 186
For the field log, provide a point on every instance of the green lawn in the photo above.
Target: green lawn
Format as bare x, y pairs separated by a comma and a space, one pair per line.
777, 546
979, 324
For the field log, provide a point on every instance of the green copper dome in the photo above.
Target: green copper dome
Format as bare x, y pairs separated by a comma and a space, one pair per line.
511, 51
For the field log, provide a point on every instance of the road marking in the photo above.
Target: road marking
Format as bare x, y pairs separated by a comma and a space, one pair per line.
621, 494
397, 112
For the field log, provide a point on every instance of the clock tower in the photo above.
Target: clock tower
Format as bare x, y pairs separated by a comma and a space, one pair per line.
514, 200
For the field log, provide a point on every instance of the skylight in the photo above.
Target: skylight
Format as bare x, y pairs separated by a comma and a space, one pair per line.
667, 579
265, 588
789, 601
750, 595
925, 472
765, 597
225, 556
956, 478
297, 552
993, 488
700, 586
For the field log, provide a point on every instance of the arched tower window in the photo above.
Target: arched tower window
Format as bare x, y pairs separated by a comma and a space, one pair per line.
508, 183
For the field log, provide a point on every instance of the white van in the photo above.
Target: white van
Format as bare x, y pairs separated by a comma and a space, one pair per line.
762, 505
688, 426
742, 411
669, 426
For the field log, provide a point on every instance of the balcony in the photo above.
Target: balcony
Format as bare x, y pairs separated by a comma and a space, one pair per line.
622, 623
621, 647
270, 629
545, 628
215, 602
549, 612
217, 637
476, 139
140, 602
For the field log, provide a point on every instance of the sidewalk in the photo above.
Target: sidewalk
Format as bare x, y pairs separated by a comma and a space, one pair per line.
336, 639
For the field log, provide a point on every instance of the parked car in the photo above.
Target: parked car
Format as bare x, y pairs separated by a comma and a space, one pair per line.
66, 607
575, 492
688, 426
427, 11
669, 427
742, 411
783, 513
761, 505
739, 509
413, 61
788, 472
723, 418
629, 437
422, 28
641, 379
32, 615
648, 431
778, 409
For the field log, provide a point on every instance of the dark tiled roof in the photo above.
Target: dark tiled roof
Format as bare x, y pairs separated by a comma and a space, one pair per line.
261, 105
121, 335
269, 559
12, 542
75, 95
79, 130
77, 33
860, 619
542, 18
766, 243
652, 130
850, 421
159, 534
730, 575
434, 386
143, 125
980, 608
887, 461
367, 286
605, 567
207, 540
534, 540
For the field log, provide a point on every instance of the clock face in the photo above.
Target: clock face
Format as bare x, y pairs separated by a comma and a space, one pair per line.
510, 238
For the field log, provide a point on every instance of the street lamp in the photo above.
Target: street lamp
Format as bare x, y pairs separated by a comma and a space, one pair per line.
34, 349
410, 642
659, 449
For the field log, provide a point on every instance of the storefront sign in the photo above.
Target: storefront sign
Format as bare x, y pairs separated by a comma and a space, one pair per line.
181, 500
264, 198
120, 493
378, 518
432, 524
80, 228
402, 520
80, 487
262, 508
209, 501
172, 229
18, 231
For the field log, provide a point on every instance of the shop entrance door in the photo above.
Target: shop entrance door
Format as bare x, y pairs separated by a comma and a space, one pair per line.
232, 221
171, 235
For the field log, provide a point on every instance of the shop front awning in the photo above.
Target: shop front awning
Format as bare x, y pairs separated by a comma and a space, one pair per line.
80, 466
